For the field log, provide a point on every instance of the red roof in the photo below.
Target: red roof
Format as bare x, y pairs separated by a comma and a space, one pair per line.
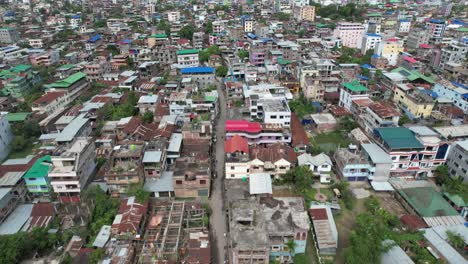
131, 214
243, 126
318, 214
299, 136
410, 59
48, 97
273, 153
425, 46
384, 110
413, 222
236, 144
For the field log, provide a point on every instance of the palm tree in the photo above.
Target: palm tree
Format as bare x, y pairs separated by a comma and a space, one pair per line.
291, 244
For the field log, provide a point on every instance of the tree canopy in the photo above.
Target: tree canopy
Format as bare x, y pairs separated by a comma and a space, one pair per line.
221, 71
301, 178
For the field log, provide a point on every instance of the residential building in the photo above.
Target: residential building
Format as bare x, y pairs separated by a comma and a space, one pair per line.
351, 165
51, 102
6, 135
350, 33
404, 26
93, 42
257, 58
124, 167
154, 163
380, 114
260, 230
36, 43
198, 40
320, 165
147, 103
415, 151
276, 159
95, 70
130, 219
379, 162
457, 160
306, 13
352, 91
414, 102
435, 28
9, 35
325, 230
390, 49
188, 58
370, 41
457, 94
172, 16
19, 80
257, 133
455, 52
202, 76
37, 179
191, 178
416, 37
72, 166
248, 25
47, 58
324, 122
74, 85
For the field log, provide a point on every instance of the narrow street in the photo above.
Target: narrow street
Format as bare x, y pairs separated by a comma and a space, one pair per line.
218, 216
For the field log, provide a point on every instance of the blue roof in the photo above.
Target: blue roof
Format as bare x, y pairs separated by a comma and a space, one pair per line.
438, 21
373, 35
191, 70
465, 96
367, 66
459, 85
251, 35
94, 38
76, 16
457, 22
362, 77
126, 41
404, 20
429, 92
375, 56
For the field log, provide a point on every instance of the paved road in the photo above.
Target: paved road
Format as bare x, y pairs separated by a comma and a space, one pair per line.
218, 216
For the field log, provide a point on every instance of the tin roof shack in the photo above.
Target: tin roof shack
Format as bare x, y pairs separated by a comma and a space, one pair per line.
198, 248
129, 221
325, 230
191, 178
261, 229
124, 167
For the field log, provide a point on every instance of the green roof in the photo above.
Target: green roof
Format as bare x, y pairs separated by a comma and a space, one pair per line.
427, 202
456, 199
210, 98
66, 67
159, 36
399, 138
355, 86
187, 51
17, 117
463, 29
374, 15
413, 75
6, 74
69, 81
21, 68
321, 25
39, 169
282, 61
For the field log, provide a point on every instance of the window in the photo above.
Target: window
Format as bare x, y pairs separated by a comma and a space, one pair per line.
273, 117
203, 182
178, 182
232, 167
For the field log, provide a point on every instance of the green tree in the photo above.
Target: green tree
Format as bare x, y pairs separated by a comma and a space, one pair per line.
163, 25
442, 174
243, 54
209, 27
283, 16
404, 119
205, 54
19, 143
347, 123
291, 244
301, 178
96, 256
221, 71
147, 117
136, 189
455, 239
186, 32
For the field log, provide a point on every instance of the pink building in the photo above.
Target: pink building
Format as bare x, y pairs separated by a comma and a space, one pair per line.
350, 33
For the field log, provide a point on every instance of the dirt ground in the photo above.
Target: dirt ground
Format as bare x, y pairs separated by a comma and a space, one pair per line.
390, 204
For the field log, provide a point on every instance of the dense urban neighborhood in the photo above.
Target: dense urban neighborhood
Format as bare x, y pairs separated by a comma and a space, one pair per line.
233, 132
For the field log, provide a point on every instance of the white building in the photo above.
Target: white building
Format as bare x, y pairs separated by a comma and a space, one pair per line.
248, 25
370, 41
436, 29
188, 58
455, 52
352, 91
173, 16
320, 165
350, 34
72, 166
272, 111
6, 136
456, 94
404, 26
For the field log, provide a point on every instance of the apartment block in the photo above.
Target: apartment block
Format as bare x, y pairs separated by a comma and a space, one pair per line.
457, 160
350, 33
9, 35
6, 136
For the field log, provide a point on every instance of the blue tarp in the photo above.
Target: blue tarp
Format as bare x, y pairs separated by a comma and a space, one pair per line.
362, 77
94, 38
433, 94
459, 85
192, 70
367, 66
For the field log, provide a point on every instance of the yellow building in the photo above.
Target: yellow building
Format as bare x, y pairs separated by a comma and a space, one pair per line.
390, 49
307, 13
415, 103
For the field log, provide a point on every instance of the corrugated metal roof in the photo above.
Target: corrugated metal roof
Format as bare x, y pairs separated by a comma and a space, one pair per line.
16, 219
260, 183
152, 156
444, 248
376, 153
394, 255
192, 70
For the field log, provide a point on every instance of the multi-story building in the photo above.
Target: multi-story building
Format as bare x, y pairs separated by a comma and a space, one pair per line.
19, 80
271, 111
257, 58
6, 136
191, 178
417, 37
124, 167
380, 114
390, 49
198, 40
248, 25
415, 151
455, 52
188, 58
93, 42
37, 179
9, 35
320, 165
47, 58
50, 103
306, 13
36, 43
74, 85
219, 26
436, 30
415, 103
257, 133
457, 160
352, 91
172, 16
95, 70
73, 164
350, 34
404, 26
154, 163
455, 93
370, 41
255, 233
202, 76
